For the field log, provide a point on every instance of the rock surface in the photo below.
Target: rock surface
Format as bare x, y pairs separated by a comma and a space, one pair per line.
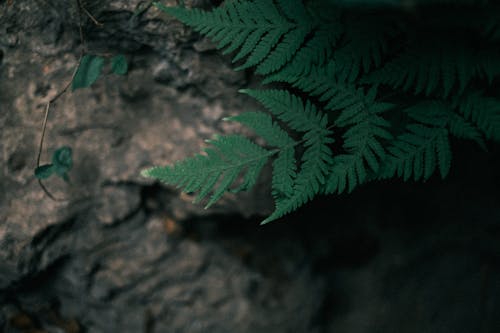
123, 254
117, 127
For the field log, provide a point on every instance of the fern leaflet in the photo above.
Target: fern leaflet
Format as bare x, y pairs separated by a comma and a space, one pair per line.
315, 52
432, 68
339, 56
483, 111
223, 163
265, 36
463, 129
366, 128
284, 166
367, 43
423, 145
303, 117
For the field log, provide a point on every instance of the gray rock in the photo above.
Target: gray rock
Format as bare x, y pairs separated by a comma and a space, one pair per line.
103, 257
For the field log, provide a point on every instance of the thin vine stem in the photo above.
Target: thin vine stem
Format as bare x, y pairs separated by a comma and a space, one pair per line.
80, 8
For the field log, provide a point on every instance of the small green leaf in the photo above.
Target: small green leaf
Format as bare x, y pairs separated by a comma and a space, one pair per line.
119, 64
44, 171
88, 71
62, 160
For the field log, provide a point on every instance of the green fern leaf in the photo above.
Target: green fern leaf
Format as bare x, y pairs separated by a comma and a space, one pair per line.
314, 53
338, 57
310, 178
302, 117
284, 167
463, 129
295, 11
284, 174
432, 68
362, 142
433, 113
262, 124
440, 114
416, 152
290, 109
322, 82
347, 172
263, 35
367, 44
222, 164
285, 50
262, 49
483, 111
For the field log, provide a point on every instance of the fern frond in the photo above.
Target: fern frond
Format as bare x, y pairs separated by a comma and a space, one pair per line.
290, 109
417, 152
440, 114
222, 164
262, 124
362, 143
431, 112
284, 174
284, 50
428, 69
310, 178
367, 44
294, 11
316, 52
338, 57
263, 35
284, 166
322, 82
463, 129
483, 111
302, 117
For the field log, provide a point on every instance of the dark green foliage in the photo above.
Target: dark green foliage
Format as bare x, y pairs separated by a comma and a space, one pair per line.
483, 112
435, 69
119, 64
44, 171
88, 72
390, 87
90, 69
62, 162
267, 34
218, 168
302, 117
362, 143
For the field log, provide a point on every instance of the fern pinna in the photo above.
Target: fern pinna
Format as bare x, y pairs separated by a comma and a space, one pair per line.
371, 93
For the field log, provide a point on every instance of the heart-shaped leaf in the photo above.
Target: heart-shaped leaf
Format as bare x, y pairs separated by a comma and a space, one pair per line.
88, 71
62, 160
